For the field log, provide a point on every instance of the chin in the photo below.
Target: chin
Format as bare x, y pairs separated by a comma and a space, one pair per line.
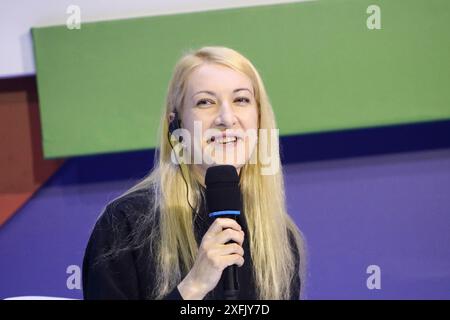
236, 163
214, 155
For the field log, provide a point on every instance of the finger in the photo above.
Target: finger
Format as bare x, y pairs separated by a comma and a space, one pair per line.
233, 259
223, 223
230, 235
232, 248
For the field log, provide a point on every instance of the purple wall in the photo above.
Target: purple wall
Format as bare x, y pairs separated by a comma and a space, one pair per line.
392, 211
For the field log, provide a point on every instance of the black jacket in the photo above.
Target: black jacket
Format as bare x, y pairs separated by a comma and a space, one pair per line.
131, 274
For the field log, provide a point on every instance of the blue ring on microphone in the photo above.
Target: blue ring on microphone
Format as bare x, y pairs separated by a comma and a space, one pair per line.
224, 213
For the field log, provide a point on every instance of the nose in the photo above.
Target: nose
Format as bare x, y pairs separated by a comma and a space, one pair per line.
226, 116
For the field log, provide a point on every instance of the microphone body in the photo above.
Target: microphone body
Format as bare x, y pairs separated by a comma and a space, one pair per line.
224, 200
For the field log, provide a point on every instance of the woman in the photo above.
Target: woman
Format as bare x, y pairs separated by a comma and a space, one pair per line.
156, 240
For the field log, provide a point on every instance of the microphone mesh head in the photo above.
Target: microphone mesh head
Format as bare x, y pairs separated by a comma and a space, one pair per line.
222, 189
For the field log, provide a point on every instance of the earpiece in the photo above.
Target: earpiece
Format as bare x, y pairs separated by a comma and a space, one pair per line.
174, 125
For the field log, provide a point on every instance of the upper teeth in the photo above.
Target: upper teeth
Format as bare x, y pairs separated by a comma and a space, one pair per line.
226, 139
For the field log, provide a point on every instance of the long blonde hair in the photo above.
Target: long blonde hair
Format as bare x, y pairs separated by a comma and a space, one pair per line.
173, 237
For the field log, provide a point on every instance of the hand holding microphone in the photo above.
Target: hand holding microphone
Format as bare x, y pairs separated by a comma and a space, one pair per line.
221, 248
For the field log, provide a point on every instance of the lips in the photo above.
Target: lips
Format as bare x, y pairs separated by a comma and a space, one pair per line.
225, 138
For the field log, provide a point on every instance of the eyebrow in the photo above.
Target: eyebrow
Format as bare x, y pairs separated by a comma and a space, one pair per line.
213, 94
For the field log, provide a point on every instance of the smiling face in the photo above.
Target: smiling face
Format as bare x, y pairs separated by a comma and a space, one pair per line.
221, 101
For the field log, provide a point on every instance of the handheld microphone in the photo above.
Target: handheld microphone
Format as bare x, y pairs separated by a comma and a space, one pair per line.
224, 200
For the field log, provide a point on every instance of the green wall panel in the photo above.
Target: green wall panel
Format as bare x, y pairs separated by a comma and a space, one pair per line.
101, 88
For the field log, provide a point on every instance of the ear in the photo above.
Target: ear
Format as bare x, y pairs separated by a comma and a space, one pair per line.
171, 116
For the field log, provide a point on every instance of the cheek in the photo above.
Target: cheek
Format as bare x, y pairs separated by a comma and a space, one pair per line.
197, 125
250, 119
202, 118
